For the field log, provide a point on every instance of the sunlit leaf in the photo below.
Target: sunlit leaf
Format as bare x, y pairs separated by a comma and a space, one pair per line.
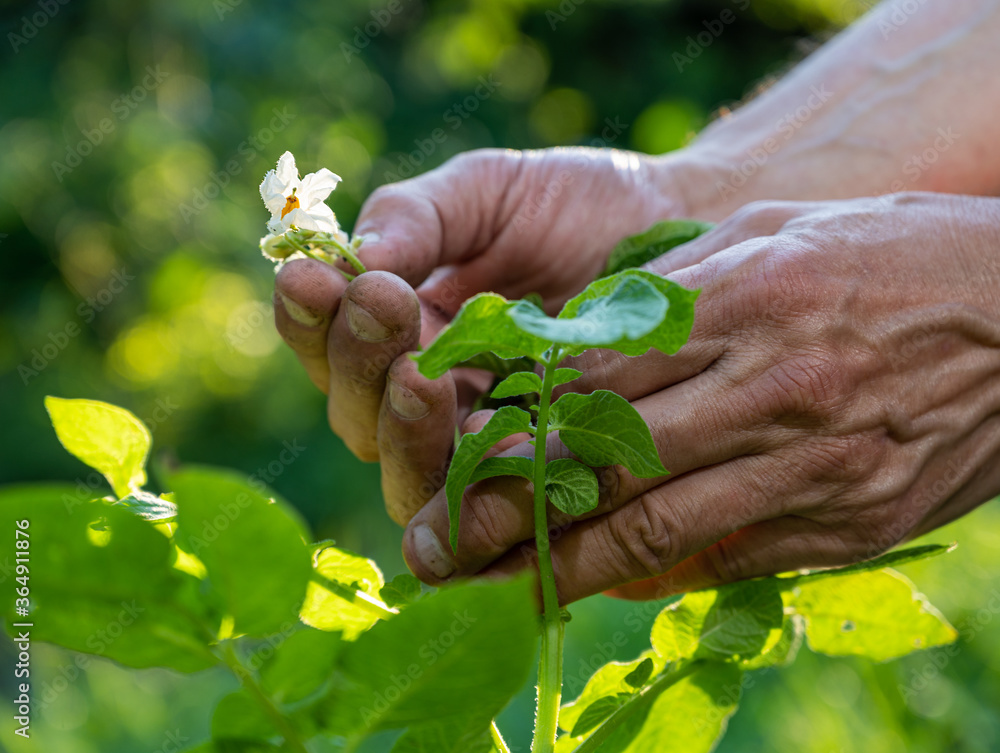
875, 614
107, 438
733, 621
326, 608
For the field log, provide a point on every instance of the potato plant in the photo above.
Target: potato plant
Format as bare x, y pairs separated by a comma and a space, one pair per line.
220, 572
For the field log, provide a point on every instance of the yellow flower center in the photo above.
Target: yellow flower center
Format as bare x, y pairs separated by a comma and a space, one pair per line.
292, 202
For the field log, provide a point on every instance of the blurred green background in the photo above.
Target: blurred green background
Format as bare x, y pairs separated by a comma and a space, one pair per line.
133, 136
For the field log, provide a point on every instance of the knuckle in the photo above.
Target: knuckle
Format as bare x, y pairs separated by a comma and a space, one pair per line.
645, 537
812, 386
485, 529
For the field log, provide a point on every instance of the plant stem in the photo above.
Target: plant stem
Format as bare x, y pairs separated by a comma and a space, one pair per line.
498, 741
647, 694
550, 659
281, 723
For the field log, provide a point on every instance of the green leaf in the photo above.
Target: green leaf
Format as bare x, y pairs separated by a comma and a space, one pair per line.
300, 665
254, 551
565, 376
875, 614
603, 428
607, 680
471, 448
784, 650
326, 609
640, 249
686, 717
571, 486
238, 717
630, 310
597, 712
503, 465
736, 620
456, 736
102, 582
518, 383
890, 559
640, 675
668, 336
459, 653
149, 506
107, 438
481, 326
402, 590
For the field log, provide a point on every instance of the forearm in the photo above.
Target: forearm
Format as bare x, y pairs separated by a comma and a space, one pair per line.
896, 102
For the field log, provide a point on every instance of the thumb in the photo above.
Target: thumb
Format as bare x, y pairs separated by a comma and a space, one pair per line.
443, 217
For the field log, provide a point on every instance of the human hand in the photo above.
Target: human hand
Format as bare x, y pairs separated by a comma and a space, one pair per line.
510, 222
838, 395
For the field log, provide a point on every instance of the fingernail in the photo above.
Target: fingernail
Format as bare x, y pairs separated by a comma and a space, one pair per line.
430, 553
405, 403
364, 325
298, 313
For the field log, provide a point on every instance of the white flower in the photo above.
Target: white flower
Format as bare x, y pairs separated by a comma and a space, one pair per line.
299, 203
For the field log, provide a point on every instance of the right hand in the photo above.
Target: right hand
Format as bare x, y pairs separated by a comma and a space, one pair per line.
505, 221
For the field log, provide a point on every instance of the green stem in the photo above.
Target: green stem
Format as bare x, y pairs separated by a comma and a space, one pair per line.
281, 723
550, 660
647, 694
498, 741
351, 257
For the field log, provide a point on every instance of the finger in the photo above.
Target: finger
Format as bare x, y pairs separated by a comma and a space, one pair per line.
416, 429
439, 218
306, 297
775, 546
760, 219
378, 320
658, 529
691, 432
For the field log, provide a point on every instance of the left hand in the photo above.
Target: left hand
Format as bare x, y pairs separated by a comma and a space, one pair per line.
838, 395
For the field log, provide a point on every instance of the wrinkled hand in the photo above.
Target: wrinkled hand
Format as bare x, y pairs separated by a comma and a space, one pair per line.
838, 395
511, 222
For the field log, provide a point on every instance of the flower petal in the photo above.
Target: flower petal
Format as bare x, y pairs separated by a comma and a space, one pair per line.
317, 186
324, 222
